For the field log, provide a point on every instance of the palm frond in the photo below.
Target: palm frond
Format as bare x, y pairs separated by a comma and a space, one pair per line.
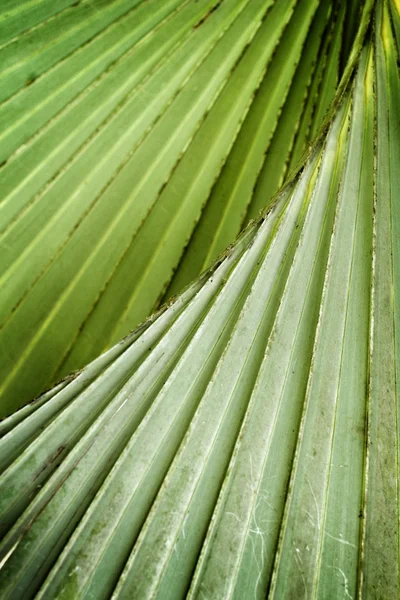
244, 442
137, 139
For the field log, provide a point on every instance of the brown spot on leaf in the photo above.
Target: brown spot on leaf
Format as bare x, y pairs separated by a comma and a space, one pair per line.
203, 19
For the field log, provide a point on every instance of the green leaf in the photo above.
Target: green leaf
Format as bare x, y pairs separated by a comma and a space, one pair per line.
136, 154
244, 441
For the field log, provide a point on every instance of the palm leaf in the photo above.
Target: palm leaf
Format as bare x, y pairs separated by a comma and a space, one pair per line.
147, 128
244, 441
